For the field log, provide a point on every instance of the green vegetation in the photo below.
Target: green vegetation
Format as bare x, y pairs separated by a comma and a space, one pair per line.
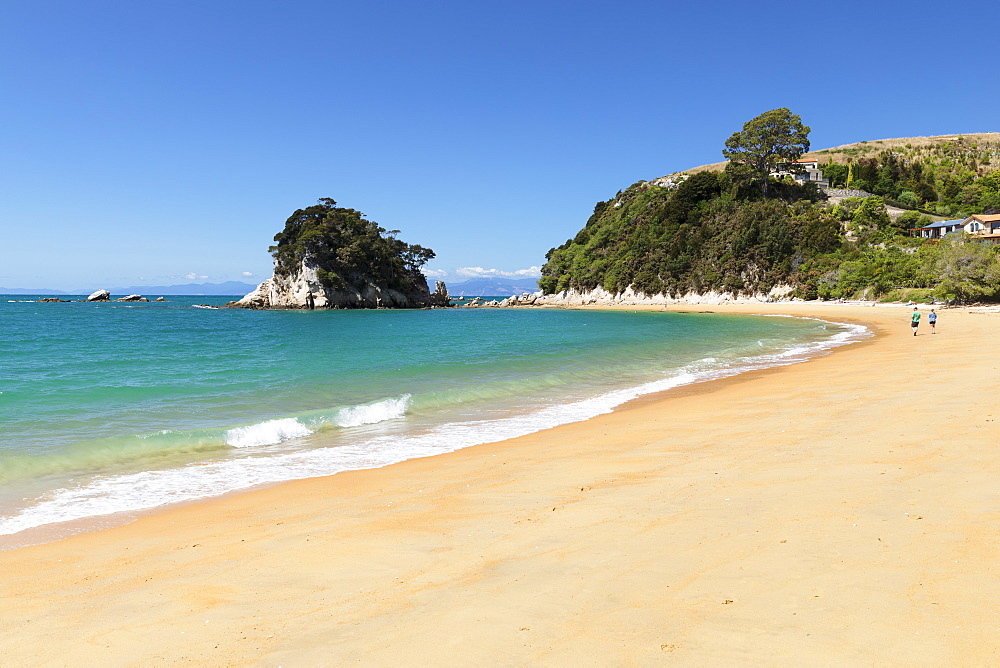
774, 137
723, 232
952, 178
697, 237
348, 251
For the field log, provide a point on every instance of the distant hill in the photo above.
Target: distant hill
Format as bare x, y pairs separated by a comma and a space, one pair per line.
227, 288
494, 287
31, 291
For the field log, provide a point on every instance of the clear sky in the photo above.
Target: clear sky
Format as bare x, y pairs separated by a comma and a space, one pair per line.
153, 142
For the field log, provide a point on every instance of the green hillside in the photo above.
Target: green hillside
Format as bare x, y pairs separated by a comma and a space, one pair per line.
715, 228
938, 174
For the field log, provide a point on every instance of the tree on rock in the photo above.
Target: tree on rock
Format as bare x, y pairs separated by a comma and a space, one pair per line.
774, 137
331, 257
348, 250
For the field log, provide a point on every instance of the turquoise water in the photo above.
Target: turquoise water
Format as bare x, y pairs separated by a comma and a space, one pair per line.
119, 407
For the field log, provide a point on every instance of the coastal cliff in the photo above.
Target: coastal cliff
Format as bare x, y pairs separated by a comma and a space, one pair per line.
332, 257
713, 234
629, 297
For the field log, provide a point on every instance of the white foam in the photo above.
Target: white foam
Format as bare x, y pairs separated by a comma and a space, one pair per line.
149, 489
388, 409
266, 433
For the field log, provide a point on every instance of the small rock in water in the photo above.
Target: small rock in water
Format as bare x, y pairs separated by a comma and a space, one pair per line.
100, 296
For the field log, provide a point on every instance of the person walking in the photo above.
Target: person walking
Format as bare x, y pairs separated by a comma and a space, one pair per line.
915, 320
932, 320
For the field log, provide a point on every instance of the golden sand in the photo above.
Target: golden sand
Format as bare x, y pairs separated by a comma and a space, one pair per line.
844, 511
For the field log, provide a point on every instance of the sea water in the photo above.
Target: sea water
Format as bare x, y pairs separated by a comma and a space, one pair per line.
111, 408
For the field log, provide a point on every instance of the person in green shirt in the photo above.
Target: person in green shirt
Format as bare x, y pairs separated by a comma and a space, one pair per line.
915, 320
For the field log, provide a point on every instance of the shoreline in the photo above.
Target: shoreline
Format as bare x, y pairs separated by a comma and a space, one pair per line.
581, 408
843, 508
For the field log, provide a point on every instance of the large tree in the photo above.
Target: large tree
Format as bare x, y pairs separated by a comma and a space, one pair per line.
966, 269
774, 137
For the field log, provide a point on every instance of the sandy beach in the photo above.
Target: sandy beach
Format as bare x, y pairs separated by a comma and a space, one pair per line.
839, 512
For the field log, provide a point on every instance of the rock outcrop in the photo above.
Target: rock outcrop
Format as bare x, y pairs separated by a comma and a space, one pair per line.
601, 297
440, 296
630, 298
524, 299
331, 257
99, 296
303, 289
132, 298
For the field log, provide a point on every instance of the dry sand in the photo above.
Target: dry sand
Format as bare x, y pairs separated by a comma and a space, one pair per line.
839, 512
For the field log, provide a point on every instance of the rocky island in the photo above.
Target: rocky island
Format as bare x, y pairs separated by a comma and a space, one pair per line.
332, 257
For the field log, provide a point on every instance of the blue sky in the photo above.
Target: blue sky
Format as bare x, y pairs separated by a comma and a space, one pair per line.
149, 143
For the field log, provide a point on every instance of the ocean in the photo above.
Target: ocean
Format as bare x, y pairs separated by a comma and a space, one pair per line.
111, 409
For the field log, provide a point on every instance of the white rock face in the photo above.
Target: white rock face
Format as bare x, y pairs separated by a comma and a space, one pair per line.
302, 289
440, 296
630, 297
99, 296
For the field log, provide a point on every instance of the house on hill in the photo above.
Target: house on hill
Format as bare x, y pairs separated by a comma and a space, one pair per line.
983, 228
980, 228
982, 224
803, 171
939, 229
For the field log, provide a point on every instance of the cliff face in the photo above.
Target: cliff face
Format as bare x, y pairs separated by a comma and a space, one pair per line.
629, 297
303, 289
331, 257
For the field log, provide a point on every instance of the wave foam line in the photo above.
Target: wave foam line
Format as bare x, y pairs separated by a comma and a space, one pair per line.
150, 489
276, 431
380, 411
266, 433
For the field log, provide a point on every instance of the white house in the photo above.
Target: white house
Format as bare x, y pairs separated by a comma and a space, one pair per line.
938, 229
982, 224
805, 170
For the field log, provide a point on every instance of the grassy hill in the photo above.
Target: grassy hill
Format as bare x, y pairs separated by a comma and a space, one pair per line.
940, 176
984, 147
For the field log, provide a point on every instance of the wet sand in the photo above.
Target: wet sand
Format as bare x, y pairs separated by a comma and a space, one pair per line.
844, 511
